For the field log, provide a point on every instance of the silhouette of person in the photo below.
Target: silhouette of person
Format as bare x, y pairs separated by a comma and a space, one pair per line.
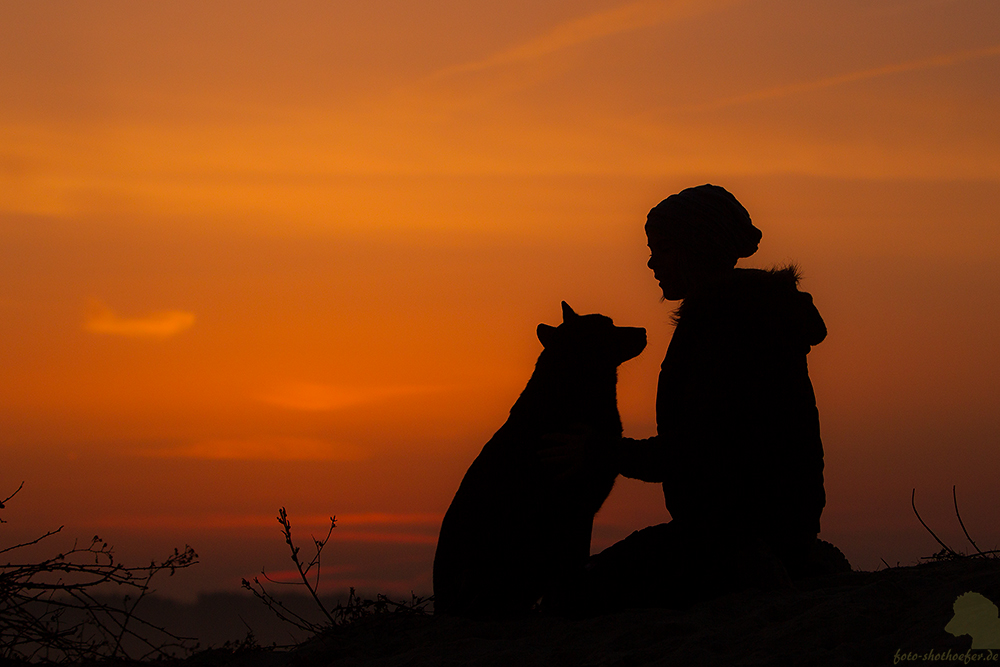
738, 447
977, 616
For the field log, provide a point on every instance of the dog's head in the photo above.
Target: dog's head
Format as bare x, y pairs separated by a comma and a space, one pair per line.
592, 339
974, 614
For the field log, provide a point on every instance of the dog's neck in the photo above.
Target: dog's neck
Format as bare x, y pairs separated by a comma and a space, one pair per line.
561, 395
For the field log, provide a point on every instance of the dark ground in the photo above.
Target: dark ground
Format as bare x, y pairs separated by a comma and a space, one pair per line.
893, 616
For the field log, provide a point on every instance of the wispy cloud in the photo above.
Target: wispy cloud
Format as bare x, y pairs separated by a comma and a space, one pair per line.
315, 397
627, 18
850, 77
398, 528
274, 448
100, 319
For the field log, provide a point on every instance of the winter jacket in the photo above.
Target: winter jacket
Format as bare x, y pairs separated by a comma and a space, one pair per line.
738, 444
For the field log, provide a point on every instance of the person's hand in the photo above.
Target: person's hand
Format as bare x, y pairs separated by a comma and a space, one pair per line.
641, 459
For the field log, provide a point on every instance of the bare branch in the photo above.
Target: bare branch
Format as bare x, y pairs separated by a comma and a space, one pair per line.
947, 551
287, 529
279, 609
32, 542
4, 502
954, 498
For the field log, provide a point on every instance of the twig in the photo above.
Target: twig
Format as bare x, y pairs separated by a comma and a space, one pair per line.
951, 553
4, 502
353, 610
32, 542
954, 498
279, 609
287, 530
319, 544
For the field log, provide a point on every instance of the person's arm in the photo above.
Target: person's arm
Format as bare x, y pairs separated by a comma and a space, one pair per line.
644, 460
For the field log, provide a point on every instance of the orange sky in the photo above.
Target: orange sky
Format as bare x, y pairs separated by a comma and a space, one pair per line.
253, 256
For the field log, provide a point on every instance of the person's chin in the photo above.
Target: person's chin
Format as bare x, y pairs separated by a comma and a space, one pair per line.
671, 294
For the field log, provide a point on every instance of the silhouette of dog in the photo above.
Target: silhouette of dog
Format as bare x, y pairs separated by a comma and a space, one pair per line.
977, 616
518, 523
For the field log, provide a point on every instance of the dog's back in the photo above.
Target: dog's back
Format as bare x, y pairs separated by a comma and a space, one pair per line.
516, 525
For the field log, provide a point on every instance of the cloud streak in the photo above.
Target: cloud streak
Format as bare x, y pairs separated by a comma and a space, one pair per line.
274, 448
398, 528
627, 18
851, 77
315, 397
100, 319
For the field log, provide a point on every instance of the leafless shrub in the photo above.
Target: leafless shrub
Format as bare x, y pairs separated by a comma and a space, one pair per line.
57, 609
356, 607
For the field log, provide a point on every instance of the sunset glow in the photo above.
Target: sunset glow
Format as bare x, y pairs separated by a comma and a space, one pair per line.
255, 256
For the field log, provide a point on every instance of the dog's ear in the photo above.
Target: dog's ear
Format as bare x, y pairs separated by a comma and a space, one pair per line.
546, 334
568, 313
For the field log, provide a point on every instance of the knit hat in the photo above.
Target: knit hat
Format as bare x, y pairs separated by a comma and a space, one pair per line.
706, 219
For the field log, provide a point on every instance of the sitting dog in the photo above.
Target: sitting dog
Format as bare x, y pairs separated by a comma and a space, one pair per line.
519, 523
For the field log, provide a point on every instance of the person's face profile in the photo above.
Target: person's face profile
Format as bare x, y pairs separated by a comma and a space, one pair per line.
669, 267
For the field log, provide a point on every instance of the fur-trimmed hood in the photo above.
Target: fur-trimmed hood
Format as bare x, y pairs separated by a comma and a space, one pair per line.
766, 302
